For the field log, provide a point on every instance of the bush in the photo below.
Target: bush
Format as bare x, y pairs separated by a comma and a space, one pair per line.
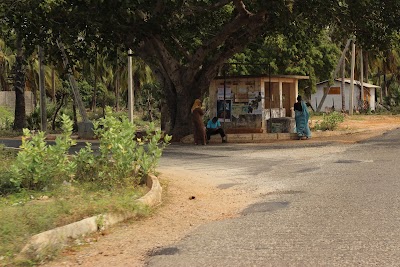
38, 165
34, 120
6, 119
123, 160
6, 157
329, 121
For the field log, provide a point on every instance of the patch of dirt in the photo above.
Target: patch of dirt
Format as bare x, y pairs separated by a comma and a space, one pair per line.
364, 127
189, 201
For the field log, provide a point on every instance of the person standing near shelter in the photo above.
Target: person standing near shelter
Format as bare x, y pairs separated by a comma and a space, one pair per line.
199, 133
301, 116
214, 127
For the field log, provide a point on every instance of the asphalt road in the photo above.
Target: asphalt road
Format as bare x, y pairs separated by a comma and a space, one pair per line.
320, 204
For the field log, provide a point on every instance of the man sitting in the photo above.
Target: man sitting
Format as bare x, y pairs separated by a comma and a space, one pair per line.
214, 127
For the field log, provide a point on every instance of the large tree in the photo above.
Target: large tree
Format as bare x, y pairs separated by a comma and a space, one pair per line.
187, 42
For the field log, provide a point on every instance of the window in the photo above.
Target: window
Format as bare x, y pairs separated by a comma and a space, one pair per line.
333, 90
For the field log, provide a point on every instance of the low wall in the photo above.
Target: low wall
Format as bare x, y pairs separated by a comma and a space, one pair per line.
7, 99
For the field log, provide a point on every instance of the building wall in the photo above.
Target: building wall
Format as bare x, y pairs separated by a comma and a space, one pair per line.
244, 100
7, 99
335, 100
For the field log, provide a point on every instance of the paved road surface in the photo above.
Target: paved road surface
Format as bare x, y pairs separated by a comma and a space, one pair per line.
320, 205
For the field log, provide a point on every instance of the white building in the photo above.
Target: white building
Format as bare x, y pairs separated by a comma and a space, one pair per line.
333, 100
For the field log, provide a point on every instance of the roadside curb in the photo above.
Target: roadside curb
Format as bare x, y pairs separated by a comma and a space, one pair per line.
54, 239
268, 137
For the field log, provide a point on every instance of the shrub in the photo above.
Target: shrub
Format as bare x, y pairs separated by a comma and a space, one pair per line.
34, 120
123, 159
329, 121
6, 119
39, 165
6, 158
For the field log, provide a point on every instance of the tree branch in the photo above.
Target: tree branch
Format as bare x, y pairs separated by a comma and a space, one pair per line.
178, 44
242, 23
154, 47
241, 7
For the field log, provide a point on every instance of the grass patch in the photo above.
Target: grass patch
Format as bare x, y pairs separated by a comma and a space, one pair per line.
26, 213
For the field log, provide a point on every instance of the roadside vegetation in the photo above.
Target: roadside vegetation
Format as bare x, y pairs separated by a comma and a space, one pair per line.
43, 186
328, 122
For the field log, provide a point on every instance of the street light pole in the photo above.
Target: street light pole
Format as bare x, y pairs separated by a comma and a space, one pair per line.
130, 87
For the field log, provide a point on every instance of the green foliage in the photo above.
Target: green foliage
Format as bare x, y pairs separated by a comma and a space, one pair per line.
48, 196
329, 121
149, 101
6, 158
6, 118
105, 97
38, 165
34, 120
123, 159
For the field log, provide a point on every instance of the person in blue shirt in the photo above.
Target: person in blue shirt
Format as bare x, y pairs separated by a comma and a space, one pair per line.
214, 127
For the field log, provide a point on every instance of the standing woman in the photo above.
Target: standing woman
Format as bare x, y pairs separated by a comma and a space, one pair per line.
197, 118
301, 116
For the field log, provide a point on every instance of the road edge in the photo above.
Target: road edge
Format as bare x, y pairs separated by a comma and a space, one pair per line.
52, 240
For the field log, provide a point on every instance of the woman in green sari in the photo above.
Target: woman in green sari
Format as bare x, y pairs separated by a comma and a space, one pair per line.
301, 116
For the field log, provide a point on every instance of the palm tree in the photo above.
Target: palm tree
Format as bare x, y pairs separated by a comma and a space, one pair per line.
7, 60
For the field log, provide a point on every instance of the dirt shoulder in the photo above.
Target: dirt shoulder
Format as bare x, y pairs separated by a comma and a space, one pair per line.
189, 201
363, 127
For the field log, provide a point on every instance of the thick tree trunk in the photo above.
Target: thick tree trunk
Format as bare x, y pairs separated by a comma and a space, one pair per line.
19, 87
176, 111
188, 79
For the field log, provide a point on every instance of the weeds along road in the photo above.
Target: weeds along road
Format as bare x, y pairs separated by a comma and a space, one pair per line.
319, 204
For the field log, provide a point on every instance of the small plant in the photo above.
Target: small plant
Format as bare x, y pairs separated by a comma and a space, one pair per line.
329, 121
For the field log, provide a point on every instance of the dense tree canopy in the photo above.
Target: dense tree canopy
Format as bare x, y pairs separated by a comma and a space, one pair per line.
187, 42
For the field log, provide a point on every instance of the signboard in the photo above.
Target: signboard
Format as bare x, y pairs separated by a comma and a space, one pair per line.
227, 110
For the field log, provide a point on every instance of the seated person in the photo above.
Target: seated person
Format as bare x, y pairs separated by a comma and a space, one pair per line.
214, 127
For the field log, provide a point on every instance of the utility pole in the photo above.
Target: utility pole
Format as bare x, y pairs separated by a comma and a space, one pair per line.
353, 61
43, 113
130, 87
342, 86
362, 78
